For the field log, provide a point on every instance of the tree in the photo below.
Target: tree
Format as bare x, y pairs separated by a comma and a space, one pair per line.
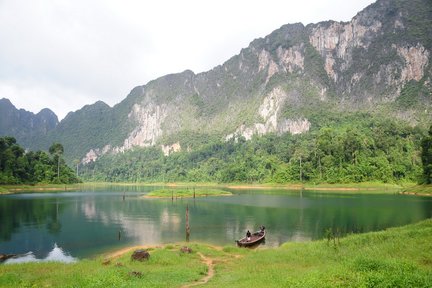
426, 156
57, 150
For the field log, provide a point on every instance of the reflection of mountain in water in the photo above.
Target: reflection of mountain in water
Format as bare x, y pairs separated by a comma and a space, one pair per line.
57, 255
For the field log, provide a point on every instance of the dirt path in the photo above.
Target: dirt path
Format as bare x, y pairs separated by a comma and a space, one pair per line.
210, 272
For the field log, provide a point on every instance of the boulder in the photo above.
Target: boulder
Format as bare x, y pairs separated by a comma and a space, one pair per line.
186, 249
136, 274
140, 255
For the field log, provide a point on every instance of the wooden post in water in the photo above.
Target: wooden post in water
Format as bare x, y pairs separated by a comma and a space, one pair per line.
119, 235
187, 223
194, 192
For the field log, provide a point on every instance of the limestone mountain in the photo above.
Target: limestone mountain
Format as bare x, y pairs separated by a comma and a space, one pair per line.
23, 125
286, 82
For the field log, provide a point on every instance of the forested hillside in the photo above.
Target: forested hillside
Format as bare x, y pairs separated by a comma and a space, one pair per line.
345, 149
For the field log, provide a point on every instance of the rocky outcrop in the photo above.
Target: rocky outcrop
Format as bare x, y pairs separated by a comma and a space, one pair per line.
149, 119
335, 42
270, 110
168, 149
416, 60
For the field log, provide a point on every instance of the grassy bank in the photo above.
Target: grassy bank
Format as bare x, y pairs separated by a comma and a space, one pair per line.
186, 193
397, 257
425, 190
8, 189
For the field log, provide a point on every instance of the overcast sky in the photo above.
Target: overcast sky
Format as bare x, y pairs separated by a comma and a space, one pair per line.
63, 55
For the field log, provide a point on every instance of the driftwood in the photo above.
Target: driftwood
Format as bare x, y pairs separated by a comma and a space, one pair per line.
140, 255
4, 257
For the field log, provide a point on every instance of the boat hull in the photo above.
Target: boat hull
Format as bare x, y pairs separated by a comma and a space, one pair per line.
256, 238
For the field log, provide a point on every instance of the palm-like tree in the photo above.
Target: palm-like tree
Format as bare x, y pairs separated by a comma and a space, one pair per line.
57, 150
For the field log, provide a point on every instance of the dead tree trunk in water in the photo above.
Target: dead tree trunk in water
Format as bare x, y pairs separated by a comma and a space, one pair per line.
187, 224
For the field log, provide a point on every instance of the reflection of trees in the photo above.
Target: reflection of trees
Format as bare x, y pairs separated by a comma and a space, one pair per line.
54, 225
15, 212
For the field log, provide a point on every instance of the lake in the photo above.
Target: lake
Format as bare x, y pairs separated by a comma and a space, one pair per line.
89, 222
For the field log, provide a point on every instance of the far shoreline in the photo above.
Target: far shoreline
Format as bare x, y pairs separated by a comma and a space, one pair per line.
404, 189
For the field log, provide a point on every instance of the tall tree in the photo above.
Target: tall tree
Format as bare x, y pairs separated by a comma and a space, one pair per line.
57, 150
426, 156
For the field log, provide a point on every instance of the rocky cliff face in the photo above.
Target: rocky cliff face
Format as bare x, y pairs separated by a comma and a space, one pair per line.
371, 63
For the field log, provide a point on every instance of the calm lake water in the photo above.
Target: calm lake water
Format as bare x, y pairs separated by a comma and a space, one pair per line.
88, 222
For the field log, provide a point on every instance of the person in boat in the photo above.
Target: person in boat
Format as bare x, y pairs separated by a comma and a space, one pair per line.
248, 235
262, 228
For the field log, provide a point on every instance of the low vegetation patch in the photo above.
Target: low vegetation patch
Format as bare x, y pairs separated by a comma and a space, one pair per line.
183, 193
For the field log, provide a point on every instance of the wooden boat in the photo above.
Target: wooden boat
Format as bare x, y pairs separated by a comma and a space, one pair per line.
256, 238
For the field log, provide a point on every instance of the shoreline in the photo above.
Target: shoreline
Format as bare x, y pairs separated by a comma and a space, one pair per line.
415, 193
113, 254
418, 190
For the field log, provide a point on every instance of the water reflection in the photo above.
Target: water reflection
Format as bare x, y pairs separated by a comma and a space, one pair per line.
86, 223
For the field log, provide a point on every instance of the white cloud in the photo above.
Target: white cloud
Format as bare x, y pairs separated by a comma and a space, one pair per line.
65, 54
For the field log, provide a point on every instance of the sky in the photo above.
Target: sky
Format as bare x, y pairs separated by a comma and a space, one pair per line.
64, 54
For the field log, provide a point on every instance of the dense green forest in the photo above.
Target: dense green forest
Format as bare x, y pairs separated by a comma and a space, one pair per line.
348, 149
20, 167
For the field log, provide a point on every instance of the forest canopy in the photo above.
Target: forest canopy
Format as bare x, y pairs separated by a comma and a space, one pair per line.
18, 166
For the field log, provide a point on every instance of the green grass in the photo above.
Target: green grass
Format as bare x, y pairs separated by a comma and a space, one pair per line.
165, 268
397, 257
419, 190
7, 189
168, 193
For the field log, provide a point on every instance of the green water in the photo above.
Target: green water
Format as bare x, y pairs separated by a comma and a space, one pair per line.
86, 223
